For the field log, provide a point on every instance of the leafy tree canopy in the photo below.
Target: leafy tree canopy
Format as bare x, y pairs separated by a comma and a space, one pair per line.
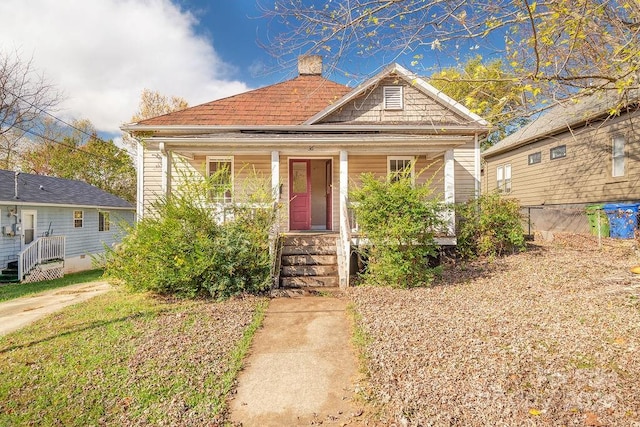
555, 46
79, 154
490, 91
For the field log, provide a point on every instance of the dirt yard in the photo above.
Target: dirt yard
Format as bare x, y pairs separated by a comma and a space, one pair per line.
547, 337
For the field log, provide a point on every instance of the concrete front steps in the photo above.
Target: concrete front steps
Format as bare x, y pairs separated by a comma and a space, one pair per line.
309, 260
10, 274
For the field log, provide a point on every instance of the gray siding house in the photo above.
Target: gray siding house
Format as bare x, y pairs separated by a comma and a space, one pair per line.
575, 155
51, 226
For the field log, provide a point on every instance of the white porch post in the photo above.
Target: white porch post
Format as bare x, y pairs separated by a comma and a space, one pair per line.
450, 191
275, 175
140, 180
476, 162
344, 242
166, 169
344, 185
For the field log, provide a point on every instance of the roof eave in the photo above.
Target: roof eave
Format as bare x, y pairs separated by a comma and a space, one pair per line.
318, 128
19, 202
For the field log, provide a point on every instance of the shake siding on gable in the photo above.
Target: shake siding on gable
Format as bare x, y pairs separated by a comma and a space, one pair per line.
583, 176
418, 107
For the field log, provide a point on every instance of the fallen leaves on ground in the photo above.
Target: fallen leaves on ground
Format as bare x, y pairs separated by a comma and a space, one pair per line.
550, 336
193, 344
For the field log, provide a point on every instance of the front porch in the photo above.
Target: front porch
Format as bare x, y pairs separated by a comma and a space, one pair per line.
311, 189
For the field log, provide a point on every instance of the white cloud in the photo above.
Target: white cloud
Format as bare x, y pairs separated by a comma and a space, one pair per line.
103, 53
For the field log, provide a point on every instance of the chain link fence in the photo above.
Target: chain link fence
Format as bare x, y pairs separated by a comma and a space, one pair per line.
619, 221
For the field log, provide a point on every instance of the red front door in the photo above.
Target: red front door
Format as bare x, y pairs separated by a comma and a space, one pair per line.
300, 194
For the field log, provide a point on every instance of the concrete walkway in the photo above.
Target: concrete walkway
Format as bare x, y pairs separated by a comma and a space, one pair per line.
19, 312
301, 369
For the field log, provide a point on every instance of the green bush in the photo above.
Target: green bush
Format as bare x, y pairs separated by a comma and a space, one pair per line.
400, 221
489, 226
183, 250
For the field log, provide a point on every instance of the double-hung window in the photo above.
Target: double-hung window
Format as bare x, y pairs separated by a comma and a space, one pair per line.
220, 171
399, 167
103, 221
617, 156
503, 178
78, 219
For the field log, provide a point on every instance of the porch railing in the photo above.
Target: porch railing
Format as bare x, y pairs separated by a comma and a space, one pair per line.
41, 250
445, 234
275, 249
344, 244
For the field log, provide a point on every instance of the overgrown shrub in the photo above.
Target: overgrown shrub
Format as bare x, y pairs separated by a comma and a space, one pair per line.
400, 221
490, 225
183, 250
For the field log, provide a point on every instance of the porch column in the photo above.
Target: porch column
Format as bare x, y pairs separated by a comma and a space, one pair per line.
476, 161
275, 175
344, 185
166, 169
139, 180
450, 191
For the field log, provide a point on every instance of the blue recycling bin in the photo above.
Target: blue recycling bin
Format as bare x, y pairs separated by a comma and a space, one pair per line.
623, 219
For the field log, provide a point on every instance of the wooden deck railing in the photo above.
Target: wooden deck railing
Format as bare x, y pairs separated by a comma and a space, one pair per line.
41, 250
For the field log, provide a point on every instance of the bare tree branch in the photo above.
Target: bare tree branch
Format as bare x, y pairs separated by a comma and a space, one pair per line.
24, 95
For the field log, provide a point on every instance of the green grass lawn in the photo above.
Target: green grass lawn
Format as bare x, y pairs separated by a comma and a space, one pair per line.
123, 359
16, 290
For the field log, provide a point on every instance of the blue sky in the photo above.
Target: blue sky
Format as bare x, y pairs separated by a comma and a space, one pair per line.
101, 54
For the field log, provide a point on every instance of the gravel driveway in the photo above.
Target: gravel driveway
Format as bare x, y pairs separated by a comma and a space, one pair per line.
546, 337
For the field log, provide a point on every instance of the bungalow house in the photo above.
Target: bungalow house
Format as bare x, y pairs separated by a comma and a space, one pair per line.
575, 155
313, 138
51, 226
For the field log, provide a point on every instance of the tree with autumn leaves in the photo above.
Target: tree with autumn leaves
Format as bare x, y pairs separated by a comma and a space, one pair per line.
547, 49
76, 152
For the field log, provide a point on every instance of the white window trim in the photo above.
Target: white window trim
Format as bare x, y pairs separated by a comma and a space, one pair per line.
35, 224
393, 97
507, 178
412, 159
223, 159
621, 157
74, 219
503, 178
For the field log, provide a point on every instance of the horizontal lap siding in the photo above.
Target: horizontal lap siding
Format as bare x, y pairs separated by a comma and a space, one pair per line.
583, 176
465, 161
152, 172
426, 169
58, 221
251, 174
9, 246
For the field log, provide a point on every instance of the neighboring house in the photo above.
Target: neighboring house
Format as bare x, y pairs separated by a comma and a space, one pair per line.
575, 155
51, 226
313, 138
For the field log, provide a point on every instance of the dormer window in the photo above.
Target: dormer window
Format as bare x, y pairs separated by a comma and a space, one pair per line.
393, 98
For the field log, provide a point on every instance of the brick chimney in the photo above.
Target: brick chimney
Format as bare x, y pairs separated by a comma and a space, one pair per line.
310, 65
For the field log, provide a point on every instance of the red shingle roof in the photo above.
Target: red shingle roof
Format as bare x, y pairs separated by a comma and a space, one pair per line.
287, 103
